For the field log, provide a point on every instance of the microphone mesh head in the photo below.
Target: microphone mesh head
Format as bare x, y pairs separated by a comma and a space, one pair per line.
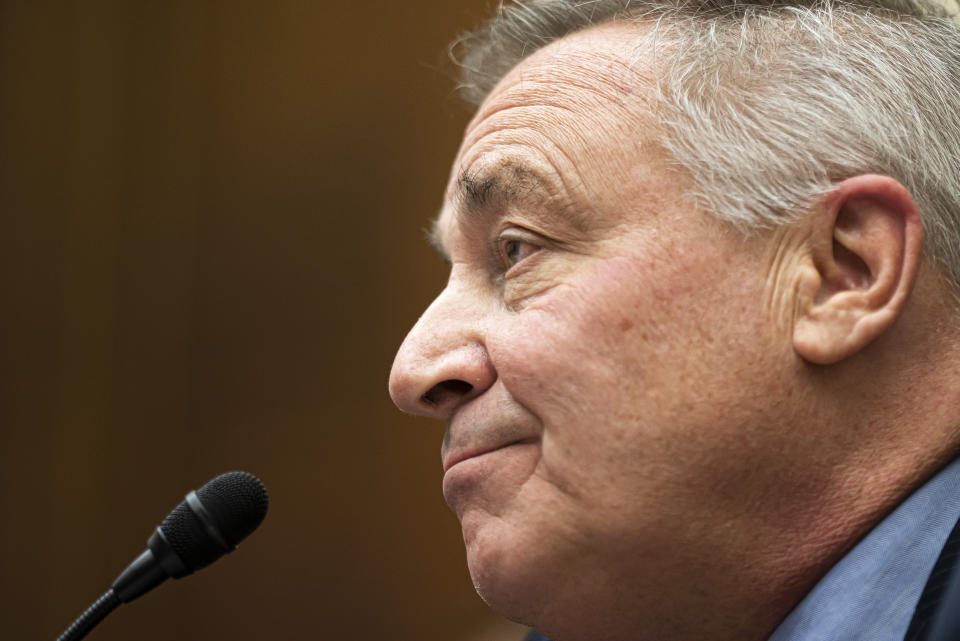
237, 503
189, 539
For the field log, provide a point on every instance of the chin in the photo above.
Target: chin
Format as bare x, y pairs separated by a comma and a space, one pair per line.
510, 594
511, 573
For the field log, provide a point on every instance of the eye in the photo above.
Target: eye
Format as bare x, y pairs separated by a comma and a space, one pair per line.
514, 249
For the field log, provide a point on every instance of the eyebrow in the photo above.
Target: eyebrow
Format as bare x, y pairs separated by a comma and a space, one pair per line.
500, 184
479, 192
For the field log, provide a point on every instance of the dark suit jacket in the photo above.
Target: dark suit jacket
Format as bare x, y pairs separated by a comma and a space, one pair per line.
937, 616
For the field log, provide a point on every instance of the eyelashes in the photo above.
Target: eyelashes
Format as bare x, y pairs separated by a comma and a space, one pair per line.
514, 246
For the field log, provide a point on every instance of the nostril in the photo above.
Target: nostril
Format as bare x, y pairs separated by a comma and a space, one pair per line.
446, 390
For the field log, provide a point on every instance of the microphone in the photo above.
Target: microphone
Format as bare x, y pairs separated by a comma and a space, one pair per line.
204, 527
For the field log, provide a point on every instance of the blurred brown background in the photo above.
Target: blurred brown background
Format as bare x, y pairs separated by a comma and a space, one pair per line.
211, 247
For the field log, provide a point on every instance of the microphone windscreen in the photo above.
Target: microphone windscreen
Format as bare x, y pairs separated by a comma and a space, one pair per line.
236, 503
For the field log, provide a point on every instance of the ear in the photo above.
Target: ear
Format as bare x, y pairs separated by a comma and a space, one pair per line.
865, 244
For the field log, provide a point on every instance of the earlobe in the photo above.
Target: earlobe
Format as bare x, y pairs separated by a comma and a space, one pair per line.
864, 251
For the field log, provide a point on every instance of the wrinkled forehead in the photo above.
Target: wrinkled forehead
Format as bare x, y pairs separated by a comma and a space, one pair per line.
574, 120
581, 97
601, 64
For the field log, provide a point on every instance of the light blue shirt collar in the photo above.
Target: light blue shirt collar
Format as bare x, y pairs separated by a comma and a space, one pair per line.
871, 593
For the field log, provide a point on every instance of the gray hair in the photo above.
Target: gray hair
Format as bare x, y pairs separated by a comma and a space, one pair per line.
767, 105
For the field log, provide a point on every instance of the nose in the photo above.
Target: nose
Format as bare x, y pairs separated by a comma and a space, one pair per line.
443, 363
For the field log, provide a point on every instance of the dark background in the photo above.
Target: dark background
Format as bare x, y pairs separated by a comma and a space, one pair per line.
212, 245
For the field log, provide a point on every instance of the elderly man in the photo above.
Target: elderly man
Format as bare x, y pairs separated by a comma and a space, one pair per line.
699, 352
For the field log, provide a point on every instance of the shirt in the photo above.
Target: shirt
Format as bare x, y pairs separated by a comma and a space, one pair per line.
871, 593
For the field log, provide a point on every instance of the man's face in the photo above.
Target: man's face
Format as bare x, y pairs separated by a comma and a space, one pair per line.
601, 353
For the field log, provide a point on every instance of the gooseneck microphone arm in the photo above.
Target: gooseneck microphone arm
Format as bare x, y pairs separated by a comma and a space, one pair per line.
207, 525
93, 615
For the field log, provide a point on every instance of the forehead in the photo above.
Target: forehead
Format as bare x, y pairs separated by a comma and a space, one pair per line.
571, 123
603, 64
598, 74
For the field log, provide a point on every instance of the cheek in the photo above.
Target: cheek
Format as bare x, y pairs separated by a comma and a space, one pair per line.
632, 366
603, 333
582, 359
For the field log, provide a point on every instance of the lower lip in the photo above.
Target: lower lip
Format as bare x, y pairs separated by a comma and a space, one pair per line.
470, 471
477, 458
